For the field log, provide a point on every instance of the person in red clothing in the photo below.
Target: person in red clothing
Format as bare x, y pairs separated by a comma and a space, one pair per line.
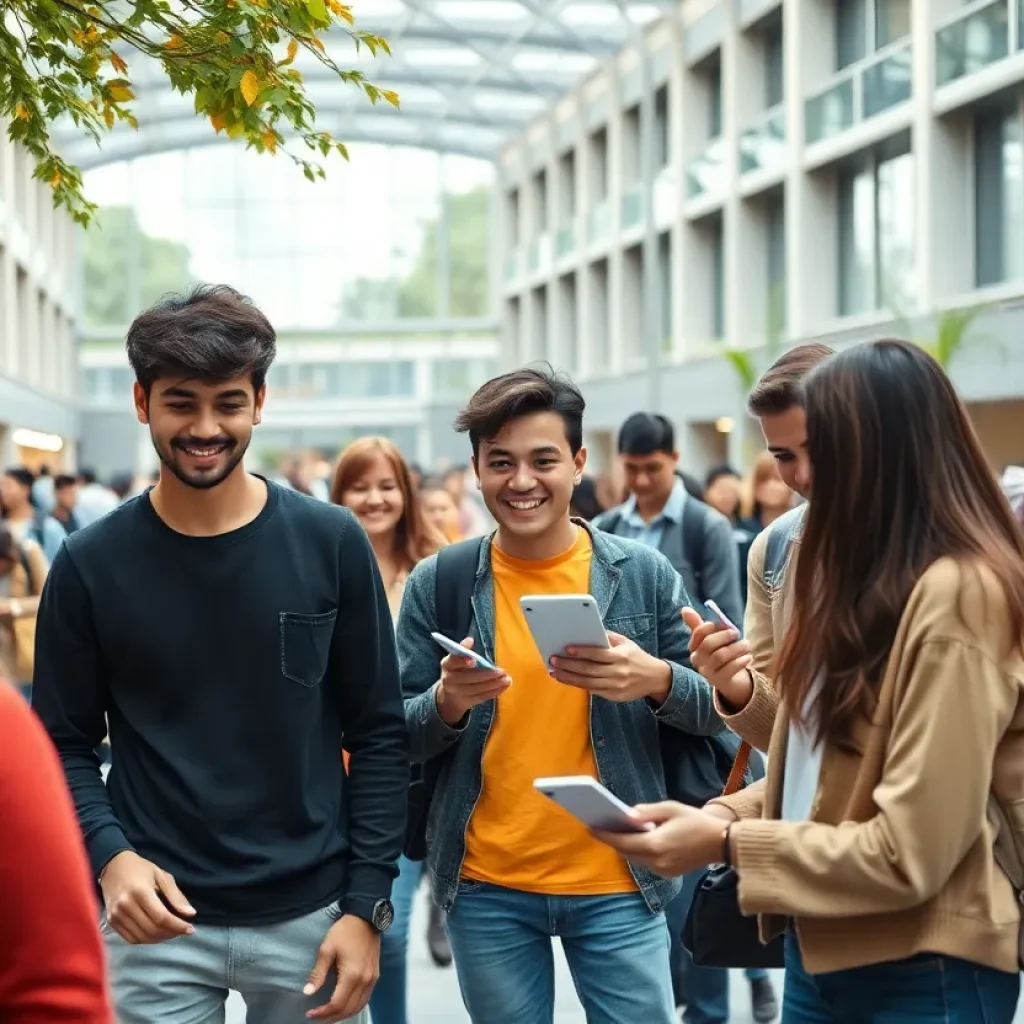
51, 955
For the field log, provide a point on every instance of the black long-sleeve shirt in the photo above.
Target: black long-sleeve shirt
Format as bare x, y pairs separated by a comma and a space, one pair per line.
232, 670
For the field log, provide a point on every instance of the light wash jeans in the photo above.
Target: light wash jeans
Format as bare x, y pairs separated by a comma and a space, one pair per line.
389, 1001
616, 948
187, 980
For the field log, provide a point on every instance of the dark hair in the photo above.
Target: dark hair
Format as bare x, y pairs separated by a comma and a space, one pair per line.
10, 549
585, 503
212, 334
522, 393
87, 476
717, 473
781, 387
900, 481
22, 474
646, 433
63, 480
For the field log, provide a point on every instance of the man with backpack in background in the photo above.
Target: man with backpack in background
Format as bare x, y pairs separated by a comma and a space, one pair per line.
663, 514
511, 869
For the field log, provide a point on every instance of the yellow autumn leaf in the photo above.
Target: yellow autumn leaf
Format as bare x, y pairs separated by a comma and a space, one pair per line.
21, 112
217, 120
250, 86
108, 117
120, 93
174, 43
341, 10
56, 179
318, 43
391, 96
118, 63
293, 51
270, 141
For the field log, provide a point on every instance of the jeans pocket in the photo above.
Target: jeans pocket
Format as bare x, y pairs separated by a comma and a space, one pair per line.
306, 645
468, 886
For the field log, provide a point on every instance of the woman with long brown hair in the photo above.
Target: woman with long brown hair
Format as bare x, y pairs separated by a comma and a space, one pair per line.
374, 481
898, 734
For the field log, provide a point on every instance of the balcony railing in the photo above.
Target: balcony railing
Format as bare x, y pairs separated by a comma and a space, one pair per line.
565, 242
979, 35
598, 222
861, 91
706, 172
632, 207
763, 145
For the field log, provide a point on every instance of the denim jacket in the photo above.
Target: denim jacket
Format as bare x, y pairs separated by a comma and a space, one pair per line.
640, 596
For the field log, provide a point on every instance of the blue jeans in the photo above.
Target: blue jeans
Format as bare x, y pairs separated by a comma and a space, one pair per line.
704, 990
388, 1002
925, 989
616, 948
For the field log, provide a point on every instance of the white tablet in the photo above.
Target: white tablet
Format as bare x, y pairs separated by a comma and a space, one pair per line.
558, 621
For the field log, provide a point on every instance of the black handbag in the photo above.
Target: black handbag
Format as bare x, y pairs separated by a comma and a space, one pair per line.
716, 933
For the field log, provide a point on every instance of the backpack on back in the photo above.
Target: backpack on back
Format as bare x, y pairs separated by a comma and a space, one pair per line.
693, 539
453, 602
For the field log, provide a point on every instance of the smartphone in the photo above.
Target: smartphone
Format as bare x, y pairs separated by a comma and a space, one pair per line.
588, 801
720, 617
558, 621
464, 652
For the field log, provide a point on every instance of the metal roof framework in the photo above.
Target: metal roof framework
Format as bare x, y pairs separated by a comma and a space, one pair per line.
470, 73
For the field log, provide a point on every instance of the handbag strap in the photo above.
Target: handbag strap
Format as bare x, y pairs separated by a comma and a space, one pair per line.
738, 770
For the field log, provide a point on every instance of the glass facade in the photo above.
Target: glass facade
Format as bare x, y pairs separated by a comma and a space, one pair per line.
999, 197
394, 234
876, 235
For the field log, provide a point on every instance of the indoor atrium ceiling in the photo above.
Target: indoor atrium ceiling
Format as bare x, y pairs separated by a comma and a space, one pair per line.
470, 73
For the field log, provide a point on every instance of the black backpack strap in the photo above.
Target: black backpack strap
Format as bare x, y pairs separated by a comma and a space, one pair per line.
453, 587
693, 541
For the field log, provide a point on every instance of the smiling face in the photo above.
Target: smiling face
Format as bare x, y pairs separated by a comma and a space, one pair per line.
785, 433
200, 431
376, 498
527, 474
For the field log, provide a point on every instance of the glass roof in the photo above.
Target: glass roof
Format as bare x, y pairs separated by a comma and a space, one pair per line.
470, 73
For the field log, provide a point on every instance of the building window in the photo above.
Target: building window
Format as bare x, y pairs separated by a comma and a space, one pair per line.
717, 233
774, 68
876, 235
776, 265
665, 289
714, 79
999, 197
459, 378
864, 26
662, 144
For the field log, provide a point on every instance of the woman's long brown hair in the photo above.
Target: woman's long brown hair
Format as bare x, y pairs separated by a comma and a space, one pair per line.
900, 481
415, 538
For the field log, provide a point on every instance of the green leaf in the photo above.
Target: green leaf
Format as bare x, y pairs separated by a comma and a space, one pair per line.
317, 9
744, 366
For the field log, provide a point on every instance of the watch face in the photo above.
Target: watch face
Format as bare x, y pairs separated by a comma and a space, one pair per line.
383, 915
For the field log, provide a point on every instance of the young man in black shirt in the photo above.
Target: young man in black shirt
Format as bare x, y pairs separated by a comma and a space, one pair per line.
236, 635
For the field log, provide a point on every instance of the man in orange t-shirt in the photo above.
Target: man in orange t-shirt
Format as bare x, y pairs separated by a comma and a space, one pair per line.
511, 868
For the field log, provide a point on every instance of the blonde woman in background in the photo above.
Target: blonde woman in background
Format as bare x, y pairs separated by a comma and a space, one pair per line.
767, 496
373, 480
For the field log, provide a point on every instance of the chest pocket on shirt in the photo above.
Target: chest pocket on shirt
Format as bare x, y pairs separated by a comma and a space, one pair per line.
638, 628
306, 645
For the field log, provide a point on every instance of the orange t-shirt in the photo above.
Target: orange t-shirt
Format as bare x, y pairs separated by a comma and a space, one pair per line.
517, 837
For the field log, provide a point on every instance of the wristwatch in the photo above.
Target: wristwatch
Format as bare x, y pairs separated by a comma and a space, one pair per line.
379, 913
